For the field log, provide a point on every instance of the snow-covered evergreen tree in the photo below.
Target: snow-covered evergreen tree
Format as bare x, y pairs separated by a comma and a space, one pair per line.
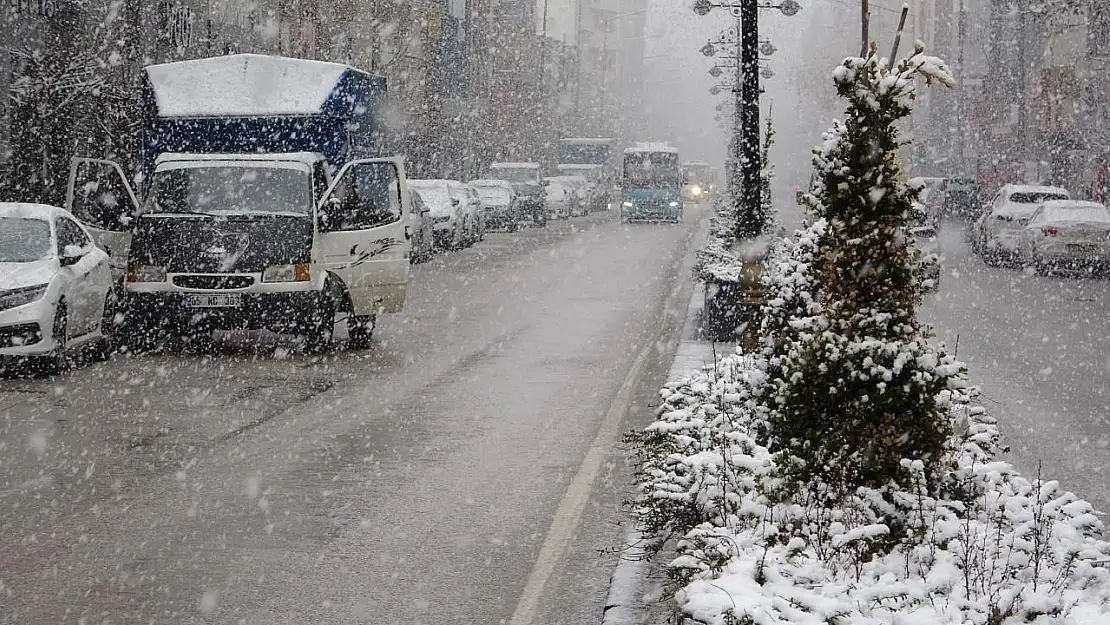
861, 381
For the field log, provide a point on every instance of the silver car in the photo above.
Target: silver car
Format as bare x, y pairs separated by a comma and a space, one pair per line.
1068, 235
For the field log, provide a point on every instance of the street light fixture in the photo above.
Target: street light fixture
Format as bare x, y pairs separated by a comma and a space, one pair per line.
767, 72
709, 50
715, 71
744, 178
767, 48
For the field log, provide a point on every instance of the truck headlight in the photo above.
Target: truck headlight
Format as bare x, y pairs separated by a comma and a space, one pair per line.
696, 190
287, 273
674, 204
146, 273
22, 296
627, 205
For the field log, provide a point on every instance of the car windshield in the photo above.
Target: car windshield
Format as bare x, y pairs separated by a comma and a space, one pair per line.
231, 190
522, 175
24, 240
1034, 198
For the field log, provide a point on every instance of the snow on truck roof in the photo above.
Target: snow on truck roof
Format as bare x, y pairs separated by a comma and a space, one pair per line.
244, 85
307, 158
641, 148
515, 166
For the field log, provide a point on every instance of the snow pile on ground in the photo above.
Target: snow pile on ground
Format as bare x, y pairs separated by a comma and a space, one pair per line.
991, 548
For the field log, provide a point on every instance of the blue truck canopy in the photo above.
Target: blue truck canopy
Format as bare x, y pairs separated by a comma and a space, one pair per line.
249, 103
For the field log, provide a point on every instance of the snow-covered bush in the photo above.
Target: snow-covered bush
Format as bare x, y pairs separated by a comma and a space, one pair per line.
862, 384
1000, 549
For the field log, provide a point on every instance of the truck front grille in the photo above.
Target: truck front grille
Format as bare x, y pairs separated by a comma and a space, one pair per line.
213, 283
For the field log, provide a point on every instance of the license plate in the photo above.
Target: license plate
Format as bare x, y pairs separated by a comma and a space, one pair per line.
213, 300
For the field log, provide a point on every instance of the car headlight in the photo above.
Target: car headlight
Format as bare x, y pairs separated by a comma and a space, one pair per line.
674, 204
287, 273
627, 204
696, 190
146, 273
22, 296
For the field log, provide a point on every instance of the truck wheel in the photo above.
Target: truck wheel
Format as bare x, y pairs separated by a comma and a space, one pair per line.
360, 329
317, 338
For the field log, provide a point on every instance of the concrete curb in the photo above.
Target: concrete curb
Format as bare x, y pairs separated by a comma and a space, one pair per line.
626, 604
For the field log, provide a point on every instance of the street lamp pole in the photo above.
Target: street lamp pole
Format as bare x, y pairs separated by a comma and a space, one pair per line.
749, 204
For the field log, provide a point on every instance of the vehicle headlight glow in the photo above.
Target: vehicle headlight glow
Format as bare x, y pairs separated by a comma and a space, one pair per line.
627, 204
22, 296
696, 190
674, 204
287, 273
146, 273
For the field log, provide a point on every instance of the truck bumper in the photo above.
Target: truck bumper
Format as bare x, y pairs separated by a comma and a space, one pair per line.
287, 312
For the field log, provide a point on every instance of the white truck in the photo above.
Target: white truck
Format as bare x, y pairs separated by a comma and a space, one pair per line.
242, 224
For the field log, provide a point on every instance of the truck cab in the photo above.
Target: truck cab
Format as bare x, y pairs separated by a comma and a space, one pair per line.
239, 223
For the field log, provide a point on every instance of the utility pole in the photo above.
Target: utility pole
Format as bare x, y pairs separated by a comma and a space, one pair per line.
865, 21
961, 93
751, 196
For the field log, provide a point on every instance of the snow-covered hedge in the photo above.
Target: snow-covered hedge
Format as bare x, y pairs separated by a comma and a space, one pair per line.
991, 548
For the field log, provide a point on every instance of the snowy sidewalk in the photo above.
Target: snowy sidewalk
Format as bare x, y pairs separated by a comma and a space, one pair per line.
634, 588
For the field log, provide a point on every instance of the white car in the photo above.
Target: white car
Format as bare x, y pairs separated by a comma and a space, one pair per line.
581, 188
1068, 235
560, 198
996, 234
500, 205
423, 237
471, 208
56, 290
447, 220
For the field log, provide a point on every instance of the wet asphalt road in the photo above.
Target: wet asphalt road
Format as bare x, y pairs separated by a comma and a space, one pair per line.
415, 482
1039, 346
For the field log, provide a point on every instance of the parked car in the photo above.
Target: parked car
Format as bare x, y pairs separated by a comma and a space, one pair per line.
961, 199
923, 228
562, 200
930, 194
996, 233
500, 205
581, 188
56, 289
471, 209
447, 219
1068, 235
423, 230
599, 186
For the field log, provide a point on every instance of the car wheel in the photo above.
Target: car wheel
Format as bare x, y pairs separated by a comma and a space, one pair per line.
318, 337
360, 329
105, 346
56, 362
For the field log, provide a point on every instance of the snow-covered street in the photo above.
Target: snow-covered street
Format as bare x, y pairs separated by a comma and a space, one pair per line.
1040, 348
415, 482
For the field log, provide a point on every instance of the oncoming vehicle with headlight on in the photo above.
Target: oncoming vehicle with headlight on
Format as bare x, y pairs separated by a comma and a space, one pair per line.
695, 181
56, 291
651, 185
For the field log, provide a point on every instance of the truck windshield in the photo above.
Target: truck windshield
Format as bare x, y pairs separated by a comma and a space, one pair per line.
235, 190
651, 169
524, 175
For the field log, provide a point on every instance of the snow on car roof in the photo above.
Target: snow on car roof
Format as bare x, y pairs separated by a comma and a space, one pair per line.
515, 166
577, 166
651, 147
25, 210
491, 182
243, 85
1029, 188
1070, 210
